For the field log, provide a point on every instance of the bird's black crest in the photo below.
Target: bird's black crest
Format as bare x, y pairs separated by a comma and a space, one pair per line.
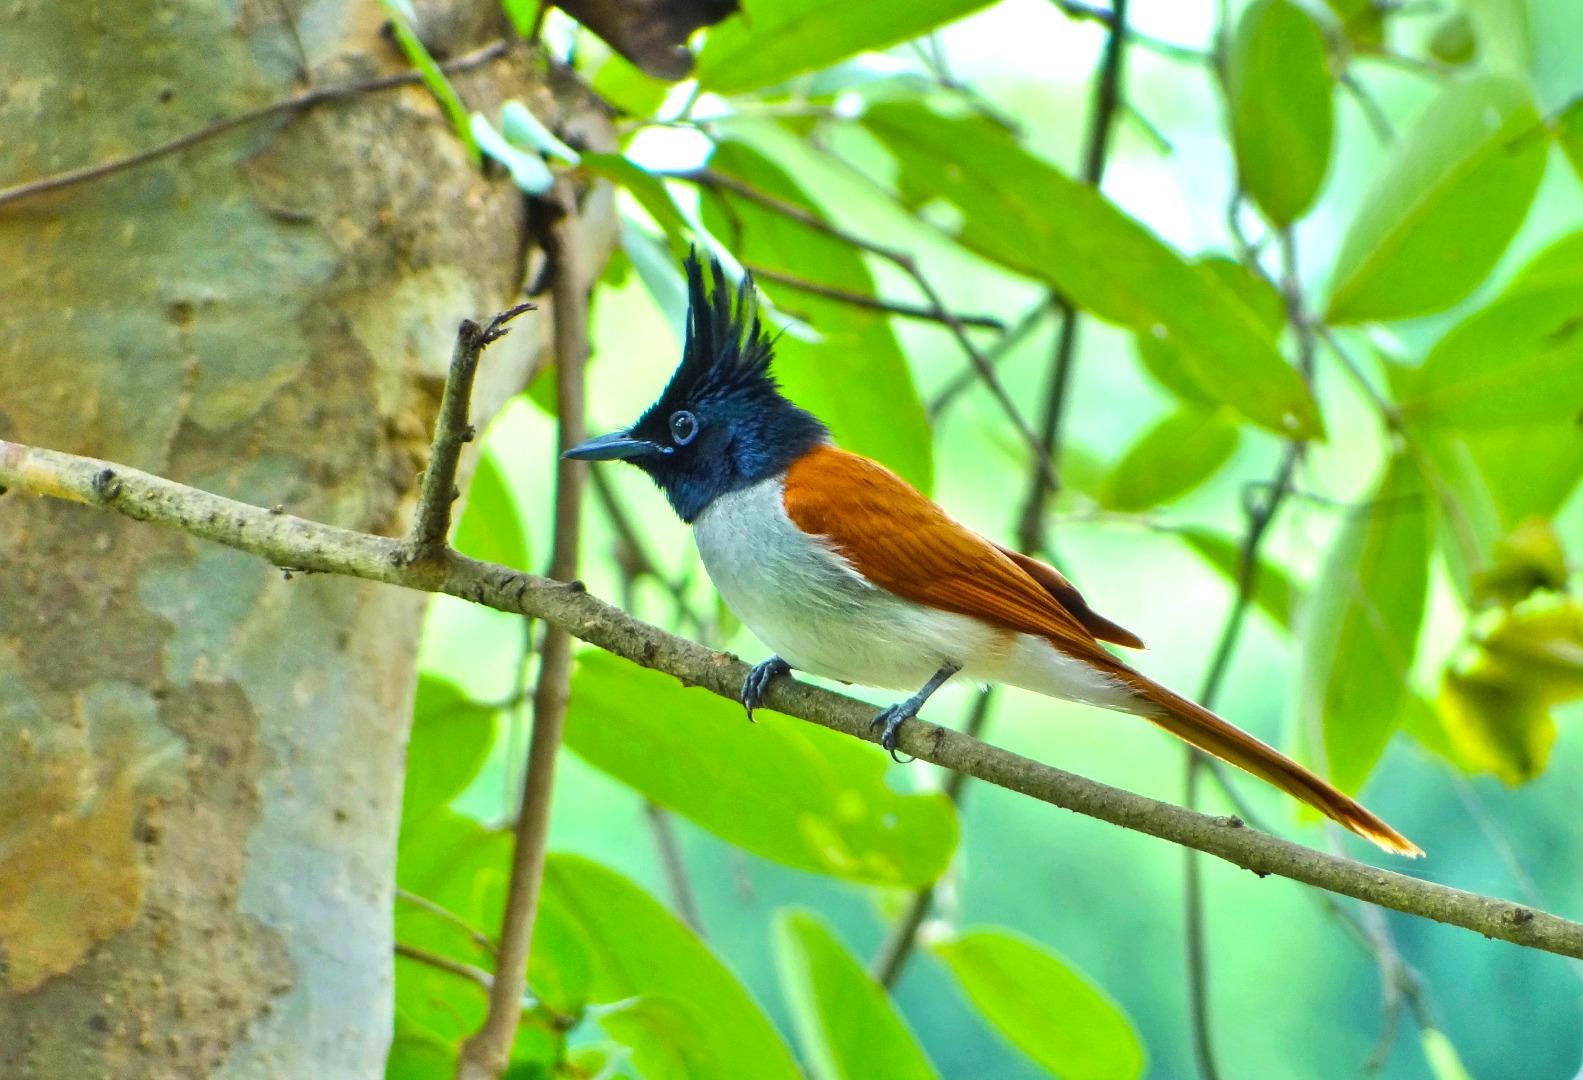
727, 350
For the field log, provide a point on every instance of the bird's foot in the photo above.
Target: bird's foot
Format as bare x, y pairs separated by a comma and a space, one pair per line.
891, 720
758, 681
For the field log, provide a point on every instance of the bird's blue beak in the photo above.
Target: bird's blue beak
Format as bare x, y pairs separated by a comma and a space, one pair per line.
617, 446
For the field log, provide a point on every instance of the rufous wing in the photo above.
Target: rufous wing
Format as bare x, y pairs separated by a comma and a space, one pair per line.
902, 542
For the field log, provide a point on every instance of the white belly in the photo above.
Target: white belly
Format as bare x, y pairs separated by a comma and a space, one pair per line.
820, 615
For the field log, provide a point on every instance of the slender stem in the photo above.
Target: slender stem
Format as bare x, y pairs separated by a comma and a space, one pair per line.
486, 1053
674, 866
289, 541
1013, 337
478, 937
1106, 106
868, 303
473, 974
903, 937
294, 104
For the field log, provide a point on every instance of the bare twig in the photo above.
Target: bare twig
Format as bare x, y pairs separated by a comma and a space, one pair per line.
487, 1052
478, 937
1169, 49
286, 540
294, 104
1045, 481
868, 303
1008, 341
431, 522
674, 866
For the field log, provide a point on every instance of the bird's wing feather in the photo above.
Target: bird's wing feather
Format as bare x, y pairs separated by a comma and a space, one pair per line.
902, 542
1056, 584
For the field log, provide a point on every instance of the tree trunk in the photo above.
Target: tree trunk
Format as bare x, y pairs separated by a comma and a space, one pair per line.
200, 762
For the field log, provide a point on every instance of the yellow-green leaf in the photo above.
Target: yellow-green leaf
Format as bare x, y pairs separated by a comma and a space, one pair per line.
769, 41
1171, 458
1280, 90
1362, 625
848, 1027
490, 526
1043, 1006
1445, 205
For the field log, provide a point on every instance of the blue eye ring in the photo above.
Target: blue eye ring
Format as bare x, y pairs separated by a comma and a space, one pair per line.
684, 427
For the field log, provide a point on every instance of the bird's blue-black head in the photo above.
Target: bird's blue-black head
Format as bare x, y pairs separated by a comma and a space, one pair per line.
722, 423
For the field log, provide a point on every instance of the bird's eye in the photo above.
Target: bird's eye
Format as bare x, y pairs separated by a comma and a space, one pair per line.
684, 426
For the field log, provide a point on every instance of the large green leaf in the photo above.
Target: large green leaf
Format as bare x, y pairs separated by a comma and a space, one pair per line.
770, 40
781, 788
849, 371
451, 736
1043, 1006
1028, 215
1280, 89
1516, 361
1445, 205
1569, 133
1361, 628
847, 1025
1273, 591
1171, 458
490, 526
640, 950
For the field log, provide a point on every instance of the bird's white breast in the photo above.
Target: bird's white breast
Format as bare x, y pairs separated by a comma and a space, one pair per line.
807, 603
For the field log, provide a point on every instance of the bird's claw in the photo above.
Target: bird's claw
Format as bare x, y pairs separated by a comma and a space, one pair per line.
758, 681
891, 720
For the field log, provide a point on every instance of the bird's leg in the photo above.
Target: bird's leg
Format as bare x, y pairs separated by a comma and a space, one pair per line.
891, 719
759, 680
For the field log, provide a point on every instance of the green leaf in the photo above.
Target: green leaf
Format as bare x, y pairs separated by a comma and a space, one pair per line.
490, 526
1504, 36
668, 1037
849, 371
633, 93
1273, 590
1452, 41
1362, 21
1279, 86
1029, 216
780, 788
649, 191
1445, 205
769, 41
451, 737
1361, 628
1516, 361
847, 1025
433, 78
1173, 457
1043, 1006
1497, 725
638, 949
1569, 133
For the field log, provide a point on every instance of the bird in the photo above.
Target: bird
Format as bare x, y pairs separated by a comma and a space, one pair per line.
847, 571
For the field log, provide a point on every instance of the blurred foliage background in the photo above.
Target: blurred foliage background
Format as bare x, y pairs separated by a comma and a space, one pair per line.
1330, 298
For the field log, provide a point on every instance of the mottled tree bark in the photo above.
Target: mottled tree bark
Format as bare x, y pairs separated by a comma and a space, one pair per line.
200, 762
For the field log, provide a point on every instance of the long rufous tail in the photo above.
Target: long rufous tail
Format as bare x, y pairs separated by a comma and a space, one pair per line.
1193, 723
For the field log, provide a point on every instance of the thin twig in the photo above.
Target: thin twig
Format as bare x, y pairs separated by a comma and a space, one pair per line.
294, 104
287, 540
1373, 112
1081, 12
903, 937
475, 975
478, 937
431, 522
904, 261
868, 303
1008, 341
1045, 481
674, 866
486, 1053
290, 19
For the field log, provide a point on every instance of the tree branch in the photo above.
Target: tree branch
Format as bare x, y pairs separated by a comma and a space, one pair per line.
486, 1054
289, 541
473, 974
869, 303
294, 104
